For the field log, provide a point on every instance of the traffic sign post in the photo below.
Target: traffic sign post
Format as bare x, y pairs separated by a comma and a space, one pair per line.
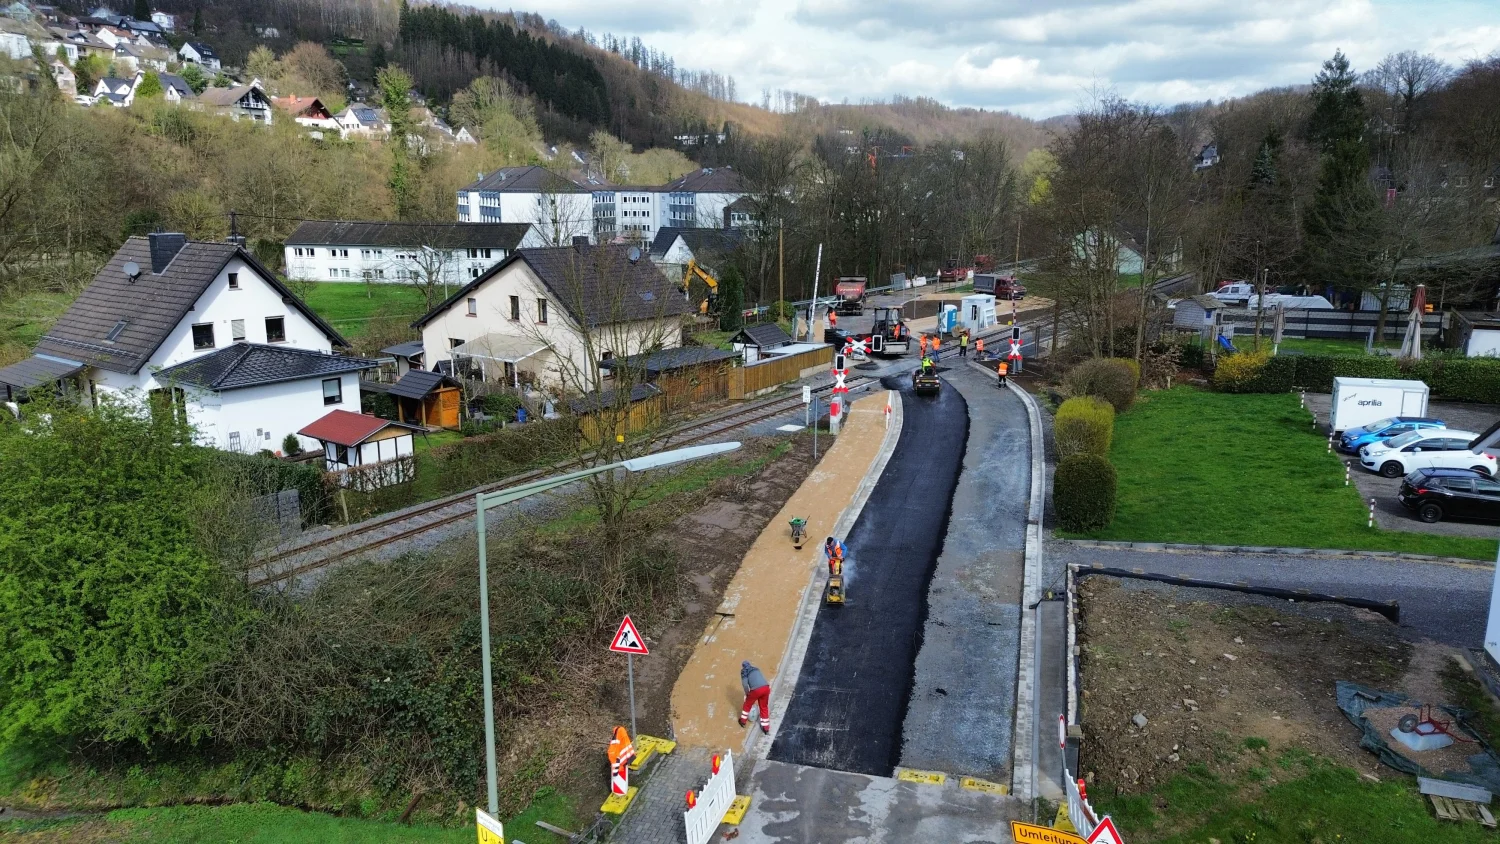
1105, 832
628, 641
491, 831
1030, 833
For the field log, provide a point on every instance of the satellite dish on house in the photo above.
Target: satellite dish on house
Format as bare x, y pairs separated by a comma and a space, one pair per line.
132, 270
635, 254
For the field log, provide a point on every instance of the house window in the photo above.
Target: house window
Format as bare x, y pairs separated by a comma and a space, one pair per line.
275, 329
114, 333
234, 440
203, 335
366, 254
380, 273
332, 273
515, 307
297, 251
368, 274
473, 272
473, 307
333, 391
454, 342
234, 281
346, 273
237, 329
541, 311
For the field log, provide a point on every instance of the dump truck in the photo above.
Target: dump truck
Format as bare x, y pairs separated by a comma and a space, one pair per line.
850, 291
999, 286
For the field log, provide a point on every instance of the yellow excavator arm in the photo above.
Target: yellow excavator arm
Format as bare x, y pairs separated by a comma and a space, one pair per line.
692, 271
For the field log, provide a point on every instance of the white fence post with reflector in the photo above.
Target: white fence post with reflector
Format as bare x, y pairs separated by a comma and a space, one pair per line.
702, 819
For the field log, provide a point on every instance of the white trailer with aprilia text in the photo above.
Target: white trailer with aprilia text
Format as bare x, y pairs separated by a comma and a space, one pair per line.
1357, 401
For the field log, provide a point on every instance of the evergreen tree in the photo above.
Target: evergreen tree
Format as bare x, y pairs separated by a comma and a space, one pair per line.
1338, 106
197, 20
394, 85
194, 76
150, 87
731, 300
1263, 171
1341, 216
142, 10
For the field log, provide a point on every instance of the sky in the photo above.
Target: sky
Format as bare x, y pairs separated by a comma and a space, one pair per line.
1036, 58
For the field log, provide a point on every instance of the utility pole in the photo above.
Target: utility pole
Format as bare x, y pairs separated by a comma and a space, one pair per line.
812, 308
780, 267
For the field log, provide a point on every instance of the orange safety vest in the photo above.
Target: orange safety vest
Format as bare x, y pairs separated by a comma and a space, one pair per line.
1004, 369
979, 345
924, 344
936, 341
833, 319
621, 752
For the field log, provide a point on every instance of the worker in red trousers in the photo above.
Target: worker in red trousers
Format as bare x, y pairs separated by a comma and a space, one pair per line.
757, 691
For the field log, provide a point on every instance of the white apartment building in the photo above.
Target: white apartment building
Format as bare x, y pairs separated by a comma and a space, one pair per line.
695, 201
558, 208
457, 253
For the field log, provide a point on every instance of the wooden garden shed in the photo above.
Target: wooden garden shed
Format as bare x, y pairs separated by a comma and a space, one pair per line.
429, 399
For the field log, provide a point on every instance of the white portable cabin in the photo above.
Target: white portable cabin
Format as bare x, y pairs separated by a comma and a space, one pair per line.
1357, 401
977, 311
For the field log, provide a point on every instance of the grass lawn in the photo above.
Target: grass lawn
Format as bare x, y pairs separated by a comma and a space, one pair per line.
1313, 801
24, 318
350, 306
1227, 469
260, 823
1312, 346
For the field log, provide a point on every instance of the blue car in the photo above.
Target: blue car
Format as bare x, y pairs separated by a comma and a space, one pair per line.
1384, 429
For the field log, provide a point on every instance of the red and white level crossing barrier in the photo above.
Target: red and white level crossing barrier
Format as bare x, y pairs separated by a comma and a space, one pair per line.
838, 398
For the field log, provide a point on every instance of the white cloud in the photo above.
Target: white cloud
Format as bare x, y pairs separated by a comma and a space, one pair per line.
1032, 58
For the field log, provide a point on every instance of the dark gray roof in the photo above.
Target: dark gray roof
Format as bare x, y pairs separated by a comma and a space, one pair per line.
707, 180
37, 370
701, 242
151, 306
505, 236
254, 364
202, 49
529, 179
232, 96
666, 360
169, 80
766, 335
417, 384
600, 401
411, 348
1206, 302
597, 285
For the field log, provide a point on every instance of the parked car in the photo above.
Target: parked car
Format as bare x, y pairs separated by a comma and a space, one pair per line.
85, 100
1437, 494
1433, 448
1384, 429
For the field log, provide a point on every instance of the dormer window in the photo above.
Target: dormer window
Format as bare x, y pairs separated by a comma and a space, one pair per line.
114, 333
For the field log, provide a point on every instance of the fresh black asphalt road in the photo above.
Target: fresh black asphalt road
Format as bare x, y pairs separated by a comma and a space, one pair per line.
1445, 602
961, 716
852, 692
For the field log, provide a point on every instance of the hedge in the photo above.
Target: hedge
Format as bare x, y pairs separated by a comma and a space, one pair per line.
1083, 493
1084, 424
1112, 379
1457, 379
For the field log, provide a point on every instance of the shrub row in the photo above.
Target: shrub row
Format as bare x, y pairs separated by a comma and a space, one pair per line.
1084, 424
1113, 379
1458, 379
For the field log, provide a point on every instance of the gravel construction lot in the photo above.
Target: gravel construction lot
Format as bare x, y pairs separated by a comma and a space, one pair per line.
1231, 686
852, 691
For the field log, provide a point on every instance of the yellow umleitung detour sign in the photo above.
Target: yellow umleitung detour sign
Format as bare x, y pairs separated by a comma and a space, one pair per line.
491, 831
1030, 833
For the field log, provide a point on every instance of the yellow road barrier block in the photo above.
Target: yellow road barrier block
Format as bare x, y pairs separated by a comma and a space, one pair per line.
976, 784
618, 803
924, 777
736, 814
648, 746
1063, 823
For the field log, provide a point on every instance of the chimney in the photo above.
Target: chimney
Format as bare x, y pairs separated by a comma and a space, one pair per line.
164, 247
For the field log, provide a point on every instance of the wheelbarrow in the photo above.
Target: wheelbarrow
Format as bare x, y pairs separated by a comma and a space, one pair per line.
799, 532
1423, 723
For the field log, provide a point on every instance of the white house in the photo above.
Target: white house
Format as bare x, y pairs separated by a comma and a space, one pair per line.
67, 82
202, 326
457, 253
13, 40
167, 22
360, 120
673, 247
525, 318
196, 52
119, 92
247, 101
697, 200
380, 449
175, 89
559, 208
307, 111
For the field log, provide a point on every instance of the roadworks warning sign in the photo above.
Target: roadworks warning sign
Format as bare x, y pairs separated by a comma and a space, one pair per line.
1030, 833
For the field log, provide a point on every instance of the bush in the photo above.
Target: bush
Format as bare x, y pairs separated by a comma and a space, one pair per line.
1240, 373
503, 405
1108, 378
1084, 425
1083, 493
291, 446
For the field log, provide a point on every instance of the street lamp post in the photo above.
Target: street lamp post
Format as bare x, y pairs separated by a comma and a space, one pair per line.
485, 500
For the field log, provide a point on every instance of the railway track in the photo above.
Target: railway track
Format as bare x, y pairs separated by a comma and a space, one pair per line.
371, 534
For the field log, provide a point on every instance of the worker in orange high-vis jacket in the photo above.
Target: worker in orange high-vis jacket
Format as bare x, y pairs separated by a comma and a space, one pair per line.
937, 343
923, 344
833, 318
1000, 372
979, 348
757, 691
621, 752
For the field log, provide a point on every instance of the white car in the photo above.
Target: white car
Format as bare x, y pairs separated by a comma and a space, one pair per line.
1436, 448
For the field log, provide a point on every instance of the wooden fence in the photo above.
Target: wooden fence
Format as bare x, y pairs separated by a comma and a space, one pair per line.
371, 476
646, 413
764, 374
1329, 324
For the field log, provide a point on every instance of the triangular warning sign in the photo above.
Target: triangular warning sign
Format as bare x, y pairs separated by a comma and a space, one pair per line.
628, 640
1105, 832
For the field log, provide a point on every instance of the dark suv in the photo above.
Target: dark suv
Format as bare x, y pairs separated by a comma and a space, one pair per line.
1436, 494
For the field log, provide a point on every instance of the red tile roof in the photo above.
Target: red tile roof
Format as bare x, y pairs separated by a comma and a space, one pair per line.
344, 428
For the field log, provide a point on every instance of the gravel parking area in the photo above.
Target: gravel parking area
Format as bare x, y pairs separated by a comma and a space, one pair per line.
1389, 514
